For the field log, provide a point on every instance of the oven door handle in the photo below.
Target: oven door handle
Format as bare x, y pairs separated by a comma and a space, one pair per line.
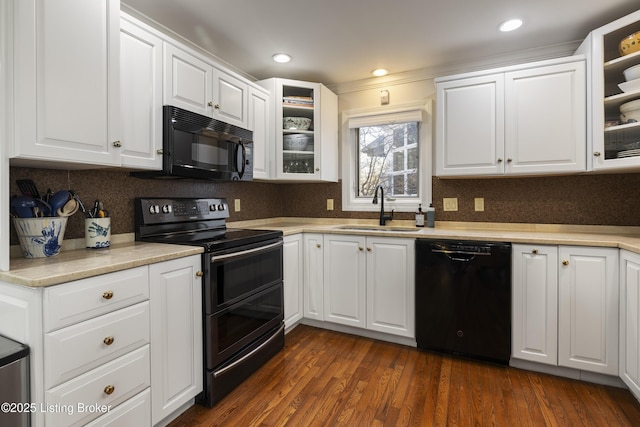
247, 252
222, 371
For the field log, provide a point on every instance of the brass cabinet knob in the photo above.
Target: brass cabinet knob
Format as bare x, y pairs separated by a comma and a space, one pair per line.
565, 262
499, 159
217, 106
107, 295
318, 245
597, 154
117, 144
108, 340
534, 251
210, 104
317, 169
109, 389
159, 151
368, 249
360, 248
199, 273
509, 160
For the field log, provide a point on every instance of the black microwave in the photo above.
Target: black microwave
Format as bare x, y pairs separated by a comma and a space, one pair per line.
199, 147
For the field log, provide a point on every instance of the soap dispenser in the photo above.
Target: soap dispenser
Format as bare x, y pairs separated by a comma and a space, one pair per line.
431, 216
419, 217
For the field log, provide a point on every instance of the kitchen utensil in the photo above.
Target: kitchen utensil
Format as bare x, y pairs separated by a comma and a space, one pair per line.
630, 44
68, 208
632, 73
74, 195
28, 188
58, 199
630, 111
298, 123
29, 207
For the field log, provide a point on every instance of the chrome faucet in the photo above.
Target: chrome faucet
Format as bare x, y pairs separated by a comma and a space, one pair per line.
383, 218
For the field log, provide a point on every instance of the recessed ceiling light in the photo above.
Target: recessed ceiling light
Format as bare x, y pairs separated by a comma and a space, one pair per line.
510, 25
281, 58
379, 72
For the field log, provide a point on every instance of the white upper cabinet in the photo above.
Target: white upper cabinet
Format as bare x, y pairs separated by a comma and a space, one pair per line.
613, 142
140, 95
66, 81
261, 123
470, 126
308, 153
522, 120
196, 85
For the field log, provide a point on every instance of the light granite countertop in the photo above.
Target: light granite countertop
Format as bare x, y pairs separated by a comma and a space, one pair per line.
75, 262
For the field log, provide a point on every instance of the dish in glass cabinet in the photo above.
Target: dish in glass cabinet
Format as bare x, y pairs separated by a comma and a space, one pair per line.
630, 44
630, 86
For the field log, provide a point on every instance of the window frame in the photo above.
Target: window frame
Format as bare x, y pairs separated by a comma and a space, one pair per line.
350, 201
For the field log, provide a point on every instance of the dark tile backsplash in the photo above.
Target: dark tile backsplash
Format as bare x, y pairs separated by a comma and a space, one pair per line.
581, 199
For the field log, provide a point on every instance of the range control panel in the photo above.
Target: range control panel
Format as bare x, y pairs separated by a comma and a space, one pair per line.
163, 211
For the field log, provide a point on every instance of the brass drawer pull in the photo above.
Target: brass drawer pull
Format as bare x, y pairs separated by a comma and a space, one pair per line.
199, 273
108, 340
109, 389
534, 251
107, 295
565, 262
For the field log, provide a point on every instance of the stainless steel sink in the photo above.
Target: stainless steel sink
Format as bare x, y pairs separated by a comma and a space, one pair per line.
378, 228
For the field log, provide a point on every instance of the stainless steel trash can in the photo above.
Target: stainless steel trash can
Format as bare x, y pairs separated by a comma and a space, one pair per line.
14, 384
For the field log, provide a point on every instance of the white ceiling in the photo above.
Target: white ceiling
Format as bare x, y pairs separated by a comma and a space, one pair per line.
339, 41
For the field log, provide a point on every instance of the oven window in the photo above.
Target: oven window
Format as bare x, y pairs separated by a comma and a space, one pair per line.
247, 317
236, 277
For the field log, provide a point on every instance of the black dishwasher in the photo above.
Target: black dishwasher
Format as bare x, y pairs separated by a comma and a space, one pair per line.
463, 298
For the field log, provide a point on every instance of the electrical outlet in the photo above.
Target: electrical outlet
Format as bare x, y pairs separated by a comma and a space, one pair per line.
329, 204
479, 203
450, 203
236, 205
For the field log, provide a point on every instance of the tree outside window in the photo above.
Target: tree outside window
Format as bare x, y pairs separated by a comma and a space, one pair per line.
388, 155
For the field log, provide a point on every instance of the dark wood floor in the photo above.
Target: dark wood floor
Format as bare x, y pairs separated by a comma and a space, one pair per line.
325, 378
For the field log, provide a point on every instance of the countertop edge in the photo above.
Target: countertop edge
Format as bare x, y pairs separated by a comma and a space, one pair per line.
73, 265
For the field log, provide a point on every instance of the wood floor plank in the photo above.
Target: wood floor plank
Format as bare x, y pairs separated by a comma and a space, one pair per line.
324, 378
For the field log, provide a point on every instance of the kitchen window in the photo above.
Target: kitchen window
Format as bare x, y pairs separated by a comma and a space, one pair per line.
391, 147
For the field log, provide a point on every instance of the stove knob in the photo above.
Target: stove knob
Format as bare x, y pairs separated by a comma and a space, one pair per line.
212, 208
221, 207
166, 209
154, 209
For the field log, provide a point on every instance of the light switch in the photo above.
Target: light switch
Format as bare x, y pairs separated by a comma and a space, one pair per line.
329, 204
236, 205
479, 204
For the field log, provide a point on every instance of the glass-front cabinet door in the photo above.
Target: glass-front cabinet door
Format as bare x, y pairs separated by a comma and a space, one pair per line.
305, 137
615, 93
299, 120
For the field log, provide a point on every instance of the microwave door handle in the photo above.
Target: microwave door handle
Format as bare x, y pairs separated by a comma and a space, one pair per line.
241, 156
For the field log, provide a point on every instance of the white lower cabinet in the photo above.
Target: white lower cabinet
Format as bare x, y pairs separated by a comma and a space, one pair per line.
588, 309
176, 334
119, 349
534, 326
583, 282
344, 279
313, 276
292, 280
629, 369
369, 283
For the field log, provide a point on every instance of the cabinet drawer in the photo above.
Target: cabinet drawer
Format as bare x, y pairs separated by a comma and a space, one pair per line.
71, 403
80, 300
79, 348
134, 412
